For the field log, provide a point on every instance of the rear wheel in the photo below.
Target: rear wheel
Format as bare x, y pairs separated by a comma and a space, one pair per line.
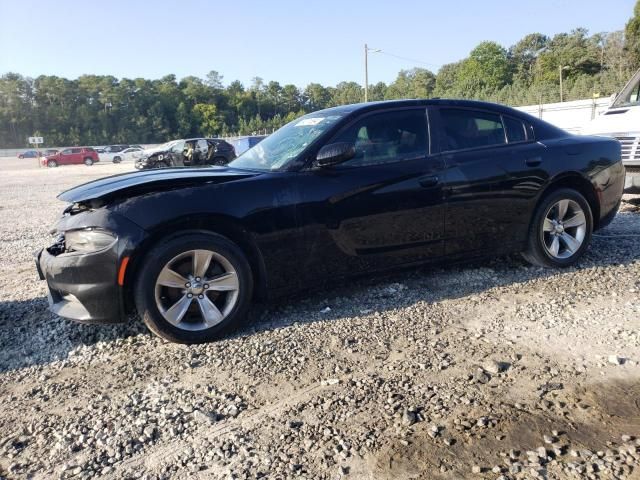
194, 287
88, 161
52, 163
219, 161
560, 231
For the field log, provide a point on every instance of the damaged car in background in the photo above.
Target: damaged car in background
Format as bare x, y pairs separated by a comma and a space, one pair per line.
189, 152
336, 193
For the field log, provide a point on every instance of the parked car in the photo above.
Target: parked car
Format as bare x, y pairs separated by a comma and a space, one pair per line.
242, 144
129, 153
187, 152
115, 148
72, 156
30, 154
340, 192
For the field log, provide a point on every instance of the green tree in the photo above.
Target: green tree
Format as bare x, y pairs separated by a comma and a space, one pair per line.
486, 68
632, 35
347, 92
208, 118
316, 97
414, 83
447, 80
524, 55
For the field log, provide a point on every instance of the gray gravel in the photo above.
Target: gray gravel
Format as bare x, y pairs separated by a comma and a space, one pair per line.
491, 370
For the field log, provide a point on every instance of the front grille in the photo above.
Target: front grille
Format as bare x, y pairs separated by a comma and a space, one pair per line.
630, 147
632, 169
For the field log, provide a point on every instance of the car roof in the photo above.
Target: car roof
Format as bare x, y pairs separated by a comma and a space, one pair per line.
545, 128
357, 107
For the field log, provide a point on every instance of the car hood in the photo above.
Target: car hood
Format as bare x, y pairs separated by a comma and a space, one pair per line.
153, 151
138, 183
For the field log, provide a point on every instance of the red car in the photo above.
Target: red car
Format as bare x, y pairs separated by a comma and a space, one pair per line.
72, 156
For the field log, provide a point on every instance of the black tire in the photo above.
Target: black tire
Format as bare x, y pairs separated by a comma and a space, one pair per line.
20, 157
88, 161
117, 159
52, 163
537, 252
162, 255
219, 161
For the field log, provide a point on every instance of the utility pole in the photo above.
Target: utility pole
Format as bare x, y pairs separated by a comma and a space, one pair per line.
366, 69
560, 69
366, 73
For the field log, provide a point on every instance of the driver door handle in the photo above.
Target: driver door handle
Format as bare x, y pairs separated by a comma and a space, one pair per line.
429, 181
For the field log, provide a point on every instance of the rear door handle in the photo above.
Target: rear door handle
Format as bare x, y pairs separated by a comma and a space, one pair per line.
533, 161
429, 181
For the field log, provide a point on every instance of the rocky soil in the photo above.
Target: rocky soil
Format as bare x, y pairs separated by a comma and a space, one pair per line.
492, 370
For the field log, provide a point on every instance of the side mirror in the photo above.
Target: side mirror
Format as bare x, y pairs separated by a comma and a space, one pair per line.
335, 153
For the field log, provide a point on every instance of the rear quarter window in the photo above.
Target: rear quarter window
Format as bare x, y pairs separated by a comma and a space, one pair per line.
516, 130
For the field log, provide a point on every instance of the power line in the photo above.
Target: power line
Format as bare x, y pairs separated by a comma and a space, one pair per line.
413, 60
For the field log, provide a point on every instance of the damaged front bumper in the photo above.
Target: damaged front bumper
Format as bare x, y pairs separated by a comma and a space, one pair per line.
82, 287
141, 163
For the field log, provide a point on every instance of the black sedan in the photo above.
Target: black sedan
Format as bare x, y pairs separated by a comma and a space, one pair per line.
187, 153
336, 193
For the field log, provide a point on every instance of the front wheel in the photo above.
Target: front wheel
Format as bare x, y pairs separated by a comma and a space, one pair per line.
560, 231
88, 161
193, 287
117, 159
52, 163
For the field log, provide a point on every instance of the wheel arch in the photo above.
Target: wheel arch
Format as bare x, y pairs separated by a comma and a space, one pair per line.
218, 224
579, 183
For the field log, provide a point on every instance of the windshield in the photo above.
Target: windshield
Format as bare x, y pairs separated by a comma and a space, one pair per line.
630, 95
166, 146
282, 146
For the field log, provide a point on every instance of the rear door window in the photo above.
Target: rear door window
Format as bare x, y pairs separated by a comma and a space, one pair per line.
464, 128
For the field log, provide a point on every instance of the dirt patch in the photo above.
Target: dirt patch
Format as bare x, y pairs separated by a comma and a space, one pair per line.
601, 418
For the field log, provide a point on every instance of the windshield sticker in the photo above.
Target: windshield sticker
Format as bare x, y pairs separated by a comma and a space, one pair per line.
307, 122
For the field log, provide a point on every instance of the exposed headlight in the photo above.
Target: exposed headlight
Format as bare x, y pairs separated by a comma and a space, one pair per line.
88, 240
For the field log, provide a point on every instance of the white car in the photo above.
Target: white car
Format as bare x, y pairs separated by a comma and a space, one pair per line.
131, 153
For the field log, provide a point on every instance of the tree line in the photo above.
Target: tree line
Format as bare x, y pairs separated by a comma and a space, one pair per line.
99, 109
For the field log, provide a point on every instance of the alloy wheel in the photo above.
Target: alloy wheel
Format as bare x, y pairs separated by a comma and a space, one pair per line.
564, 228
197, 290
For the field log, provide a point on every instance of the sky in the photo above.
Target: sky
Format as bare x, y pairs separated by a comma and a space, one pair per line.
290, 41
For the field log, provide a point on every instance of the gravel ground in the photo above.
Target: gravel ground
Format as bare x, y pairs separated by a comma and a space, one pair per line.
492, 370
